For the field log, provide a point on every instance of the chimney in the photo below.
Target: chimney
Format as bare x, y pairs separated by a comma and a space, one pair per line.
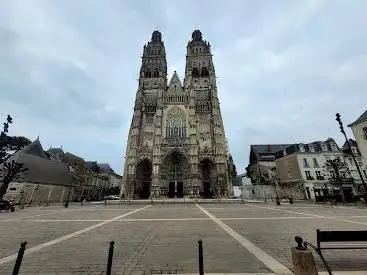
269, 148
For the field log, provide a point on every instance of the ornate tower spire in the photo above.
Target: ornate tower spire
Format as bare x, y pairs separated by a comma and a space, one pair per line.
154, 58
199, 69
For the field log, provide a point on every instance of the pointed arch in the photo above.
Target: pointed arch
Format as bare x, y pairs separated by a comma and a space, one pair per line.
175, 173
148, 74
195, 72
143, 176
156, 73
204, 72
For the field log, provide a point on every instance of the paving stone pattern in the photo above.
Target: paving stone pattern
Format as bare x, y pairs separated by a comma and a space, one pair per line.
146, 247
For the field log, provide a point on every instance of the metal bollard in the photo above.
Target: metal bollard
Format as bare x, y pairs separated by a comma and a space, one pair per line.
110, 256
18, 262
201, 258
105, 202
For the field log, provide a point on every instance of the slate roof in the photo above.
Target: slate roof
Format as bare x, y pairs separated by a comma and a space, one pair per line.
42, 170
263, 152
175, 80
352, 142
92, 166
35, 149
361, 119
105, 168
55, 151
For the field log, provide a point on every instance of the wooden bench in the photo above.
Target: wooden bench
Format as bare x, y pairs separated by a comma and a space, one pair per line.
335, 238
351, 240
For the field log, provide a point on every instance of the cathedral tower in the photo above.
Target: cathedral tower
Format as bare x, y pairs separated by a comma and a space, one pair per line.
176, 144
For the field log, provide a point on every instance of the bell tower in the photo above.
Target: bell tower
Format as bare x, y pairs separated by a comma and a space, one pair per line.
145, 129
209, 154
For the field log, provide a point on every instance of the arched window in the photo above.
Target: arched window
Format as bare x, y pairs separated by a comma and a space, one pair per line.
148, 73
155, 73
176, 123
204, 72
195, 72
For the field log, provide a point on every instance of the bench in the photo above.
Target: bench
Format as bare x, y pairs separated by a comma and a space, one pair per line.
350, 238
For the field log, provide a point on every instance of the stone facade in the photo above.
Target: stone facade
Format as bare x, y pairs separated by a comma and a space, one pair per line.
304, 165
359, 129
38, 194
176, 144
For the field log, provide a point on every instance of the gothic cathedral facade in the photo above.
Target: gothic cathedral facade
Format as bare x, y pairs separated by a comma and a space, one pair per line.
176, 144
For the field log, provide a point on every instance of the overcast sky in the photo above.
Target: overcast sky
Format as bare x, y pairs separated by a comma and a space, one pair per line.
69, 69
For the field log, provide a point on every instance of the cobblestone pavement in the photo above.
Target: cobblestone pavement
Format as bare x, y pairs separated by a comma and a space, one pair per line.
238, 238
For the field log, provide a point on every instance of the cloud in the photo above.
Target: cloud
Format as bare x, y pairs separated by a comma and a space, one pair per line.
69, 69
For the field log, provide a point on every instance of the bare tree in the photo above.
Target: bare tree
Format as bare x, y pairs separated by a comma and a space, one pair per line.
9, 169
339, 171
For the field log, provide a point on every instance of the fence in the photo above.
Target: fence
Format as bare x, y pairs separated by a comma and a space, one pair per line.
19, 259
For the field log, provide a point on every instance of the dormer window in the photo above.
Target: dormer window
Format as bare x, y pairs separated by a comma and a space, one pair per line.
324, 147
301, 148
310, 146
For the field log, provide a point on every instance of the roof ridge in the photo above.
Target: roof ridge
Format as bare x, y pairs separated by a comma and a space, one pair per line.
361, 118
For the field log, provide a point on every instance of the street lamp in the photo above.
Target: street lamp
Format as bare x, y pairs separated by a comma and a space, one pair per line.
350, 148
71, 182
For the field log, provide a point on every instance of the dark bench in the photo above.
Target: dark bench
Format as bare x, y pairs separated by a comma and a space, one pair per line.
349, 238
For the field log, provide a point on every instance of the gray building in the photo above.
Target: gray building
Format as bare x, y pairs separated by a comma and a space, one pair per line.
46, 180
176, 144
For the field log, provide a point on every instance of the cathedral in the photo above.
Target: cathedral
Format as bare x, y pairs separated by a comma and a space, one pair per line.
176, 144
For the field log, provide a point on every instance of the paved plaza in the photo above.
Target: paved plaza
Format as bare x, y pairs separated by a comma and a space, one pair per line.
162, 238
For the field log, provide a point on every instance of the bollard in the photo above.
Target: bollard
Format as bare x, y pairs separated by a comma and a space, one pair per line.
18, 262
105, 202
303, 261
290, 201
110, 256
201, 258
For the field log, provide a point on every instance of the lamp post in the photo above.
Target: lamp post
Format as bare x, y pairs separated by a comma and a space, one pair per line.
350, 148
276, 191
71, 182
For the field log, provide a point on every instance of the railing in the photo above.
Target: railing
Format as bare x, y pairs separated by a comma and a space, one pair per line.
21, 251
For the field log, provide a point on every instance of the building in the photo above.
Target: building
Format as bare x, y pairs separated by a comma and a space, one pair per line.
92, 178
45, 181
359, 129
244, 179
176, 144
348, 158
303, 165
261, 168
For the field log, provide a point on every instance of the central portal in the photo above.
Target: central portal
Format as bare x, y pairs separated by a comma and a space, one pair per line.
175, 174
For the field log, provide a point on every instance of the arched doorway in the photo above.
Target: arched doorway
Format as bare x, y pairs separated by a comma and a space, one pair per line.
208, 178
143, 179
174, 173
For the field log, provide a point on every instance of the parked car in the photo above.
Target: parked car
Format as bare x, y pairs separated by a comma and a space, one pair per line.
111, 197
7, 205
